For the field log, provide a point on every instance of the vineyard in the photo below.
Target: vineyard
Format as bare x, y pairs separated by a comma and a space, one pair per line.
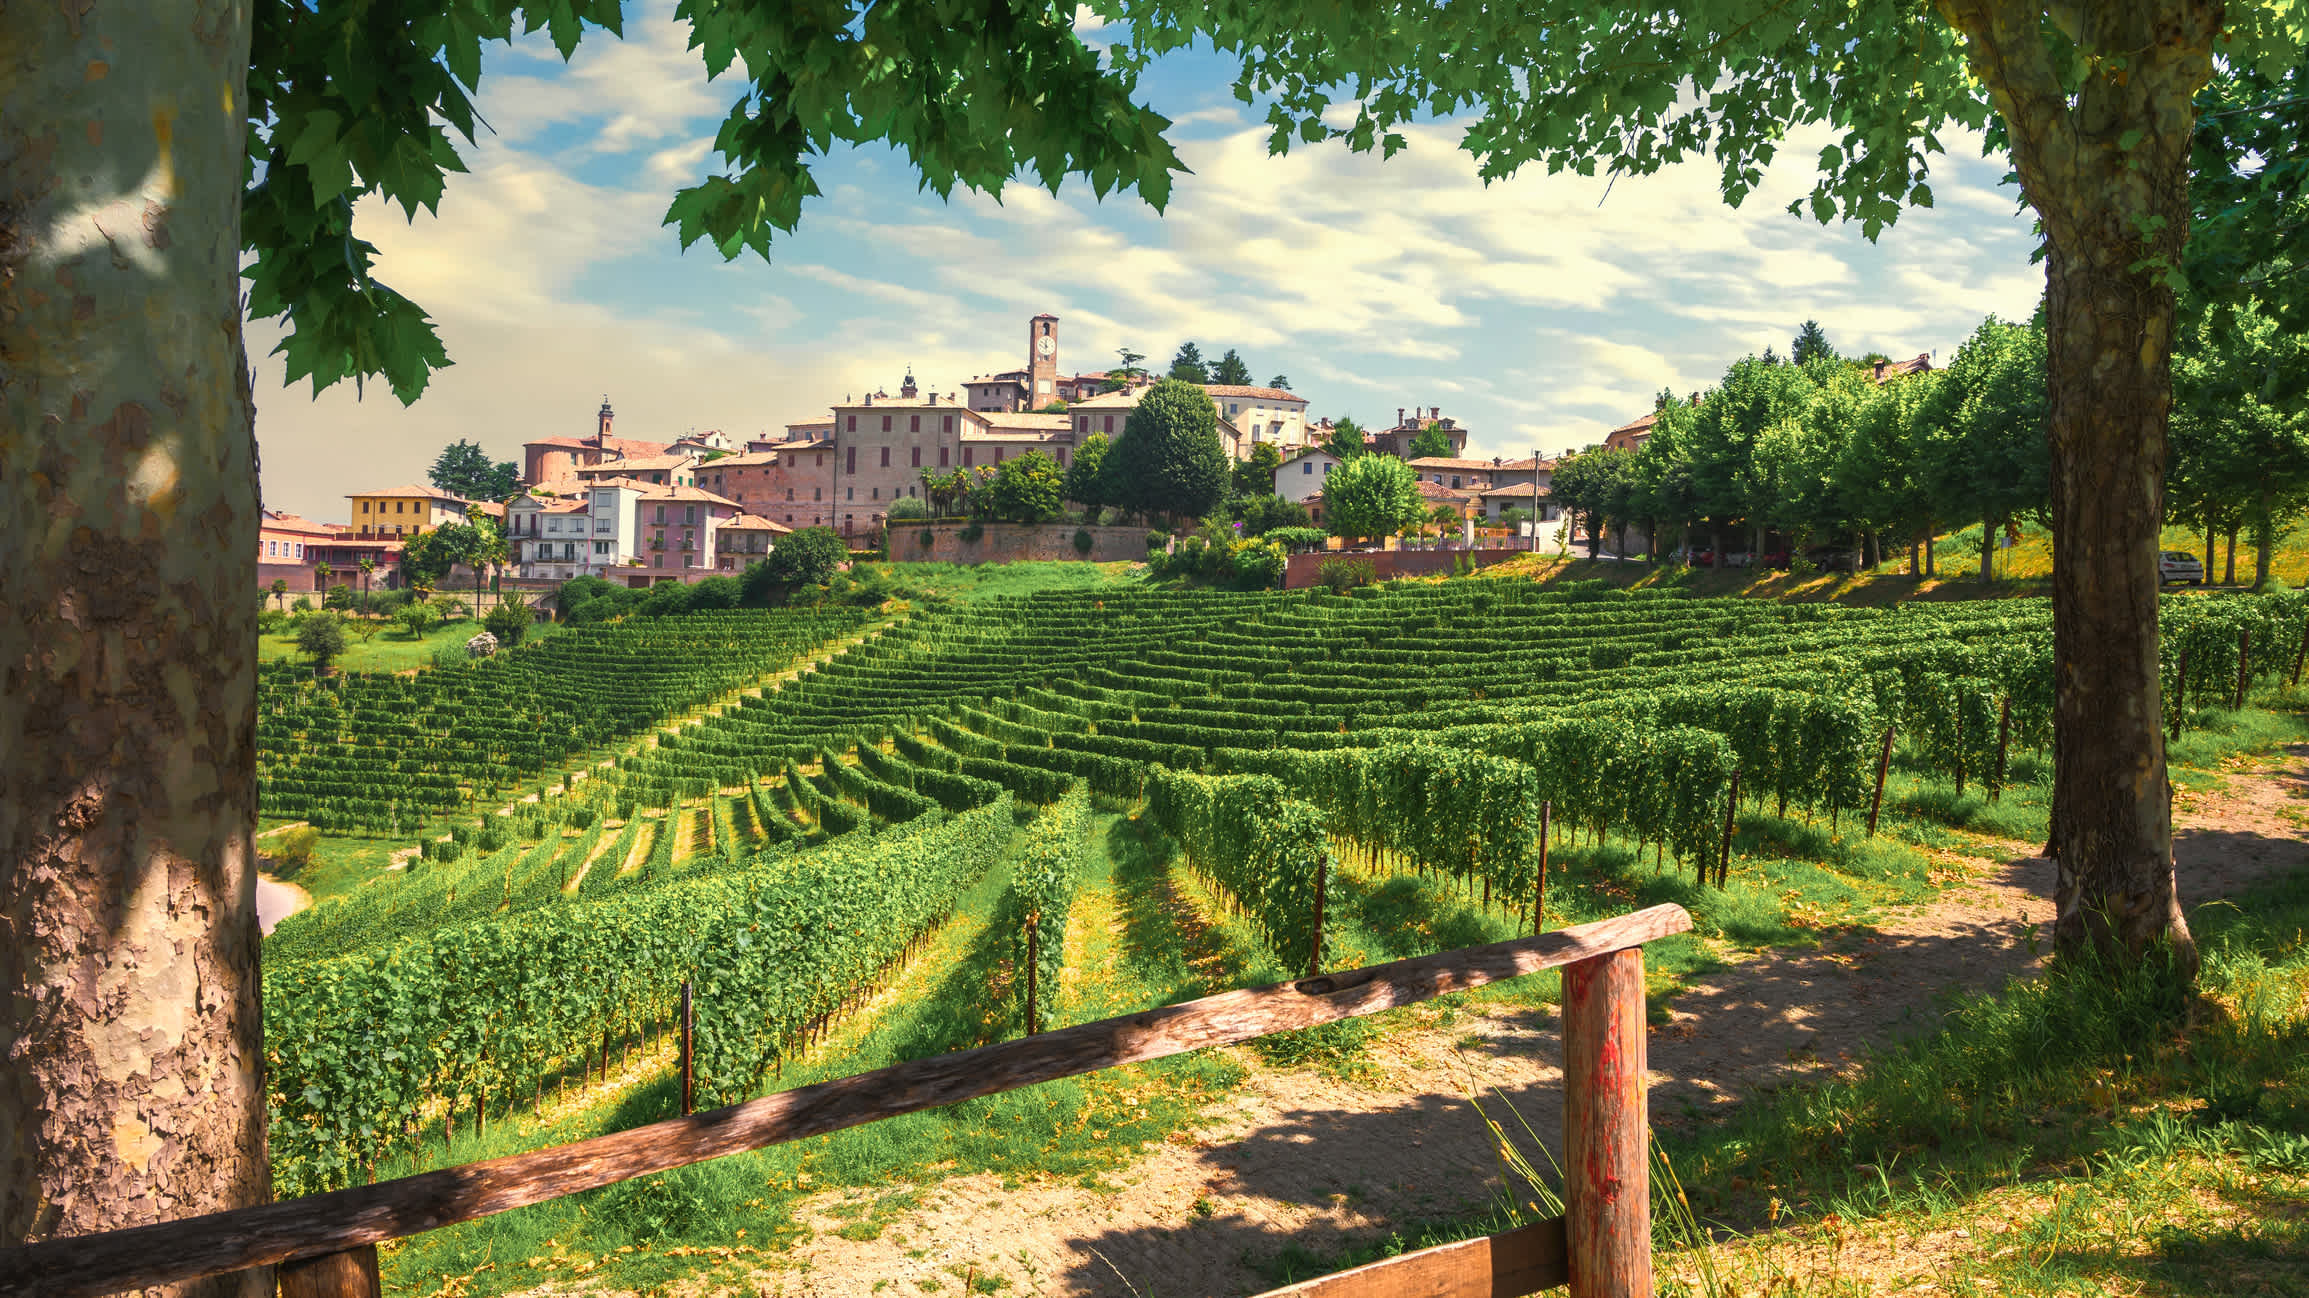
791, 854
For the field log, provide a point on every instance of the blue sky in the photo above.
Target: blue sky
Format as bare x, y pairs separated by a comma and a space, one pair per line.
1538, 311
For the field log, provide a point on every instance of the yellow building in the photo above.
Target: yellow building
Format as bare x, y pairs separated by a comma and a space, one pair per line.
405, 511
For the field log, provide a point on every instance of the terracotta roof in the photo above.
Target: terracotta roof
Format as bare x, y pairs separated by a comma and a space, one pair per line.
555, 506
1882, 370
748, 460
1514, 491
629, 446
1004, 424
1638, 425
753, 523
635, 483
639, 462
429, 493
654, 492
1262, 394
557, 441
1121, 399
1466, 463
279, 521
825, 423
1299, 453
1436, 491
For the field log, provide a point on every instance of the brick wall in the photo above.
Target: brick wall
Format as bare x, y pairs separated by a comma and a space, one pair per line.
1304, 570
1013, 543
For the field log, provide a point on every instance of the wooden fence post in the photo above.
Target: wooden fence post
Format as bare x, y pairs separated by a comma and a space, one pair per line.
2244, 665
1033, 970
1883, 765
349, 1274
1607, 1175
1724, 853
2181, 692
1539, 893
1322, 886
689, 1028
2003, 737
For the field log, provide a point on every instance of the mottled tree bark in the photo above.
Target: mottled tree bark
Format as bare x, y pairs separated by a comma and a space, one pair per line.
2107, 171
132, 1087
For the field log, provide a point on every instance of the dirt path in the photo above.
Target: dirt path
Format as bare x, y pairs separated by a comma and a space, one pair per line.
1295, 1159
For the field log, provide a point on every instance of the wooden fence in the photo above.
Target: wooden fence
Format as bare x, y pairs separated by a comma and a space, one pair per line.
324, 1246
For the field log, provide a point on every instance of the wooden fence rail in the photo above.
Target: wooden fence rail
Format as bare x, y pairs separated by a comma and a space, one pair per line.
325, 1244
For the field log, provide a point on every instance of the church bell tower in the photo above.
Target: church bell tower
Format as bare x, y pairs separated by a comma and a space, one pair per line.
1041, 361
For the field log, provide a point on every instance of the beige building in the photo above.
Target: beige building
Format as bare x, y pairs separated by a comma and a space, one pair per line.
405, 511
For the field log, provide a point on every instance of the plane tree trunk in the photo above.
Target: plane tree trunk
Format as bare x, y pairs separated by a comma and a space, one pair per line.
2107, 172
132, 1089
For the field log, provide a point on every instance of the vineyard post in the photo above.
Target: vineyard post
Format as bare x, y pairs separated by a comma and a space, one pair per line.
2244, 665
689, 1027
1607, 1181
2181, 692
1033, 967
1724, 854
351, 1273
1883, 765
1322, 885
2003, 736
1539, 892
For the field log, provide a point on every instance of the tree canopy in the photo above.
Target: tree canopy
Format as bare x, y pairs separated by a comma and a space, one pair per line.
1028, 488
1345, 440
1230, 368
1188, 365
464, 469
809, 557
1169, 459
1430, 442
1255, 473
1371, 496
1083, 485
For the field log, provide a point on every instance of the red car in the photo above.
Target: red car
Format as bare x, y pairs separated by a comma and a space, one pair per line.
1775, 558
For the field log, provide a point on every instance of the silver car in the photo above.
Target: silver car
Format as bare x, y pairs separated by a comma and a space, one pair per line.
2179, 565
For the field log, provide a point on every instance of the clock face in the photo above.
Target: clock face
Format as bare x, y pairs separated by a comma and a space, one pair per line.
1045, 345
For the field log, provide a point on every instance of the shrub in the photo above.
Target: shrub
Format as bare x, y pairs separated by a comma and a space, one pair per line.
510, 620
927, 537
809, 557
272, 621
971, 531
321, 637
302, 605
1344, 574
339, 598
449, 851
449, 606
1258, 564
1083, 540
1157, 541
1299, 538
905, 507
416, 619
600, 608
296, 846
714, 592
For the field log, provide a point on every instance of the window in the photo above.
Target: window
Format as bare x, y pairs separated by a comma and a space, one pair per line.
886, 453
1082, 423
1109, 425
689, 540
789, 493
949, 423
885, 423
1234, 406
819, 460
602, 525
397, 505
817, 493
917, 458
569, 549
913, 423
1062, 457
689, 561
660, 515
851, 459
1327, 470
601, 547
969, 456
853, 425
942, 453
789, 518
690, 516
364, 506
1306, 466
657, 542
875, 493
553, 525
1455, 481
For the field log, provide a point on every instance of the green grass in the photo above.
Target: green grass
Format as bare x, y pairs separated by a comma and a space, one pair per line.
390, 649
341, 863
984, 580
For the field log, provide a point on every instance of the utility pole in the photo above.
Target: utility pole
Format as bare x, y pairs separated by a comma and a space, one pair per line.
1535, 499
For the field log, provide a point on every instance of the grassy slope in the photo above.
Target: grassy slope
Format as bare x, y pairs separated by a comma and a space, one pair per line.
390, 649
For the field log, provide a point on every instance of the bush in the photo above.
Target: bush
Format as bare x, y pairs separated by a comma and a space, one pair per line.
510, 620
1296, 539
668, 598
296, 846
339, 598
1345, 574
302, 605
714, 592
1259, 564
416, 619
321, 637
1157, 541
971, 531
272, 622
1083, 541
905, 507
600, 608
449, 851
809, 557
927, 538
449, 607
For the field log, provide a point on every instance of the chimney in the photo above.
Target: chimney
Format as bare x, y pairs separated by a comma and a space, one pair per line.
1434, 412
1495, 461
1398, 416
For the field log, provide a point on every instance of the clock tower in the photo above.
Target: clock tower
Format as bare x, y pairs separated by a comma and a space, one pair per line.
1041, 361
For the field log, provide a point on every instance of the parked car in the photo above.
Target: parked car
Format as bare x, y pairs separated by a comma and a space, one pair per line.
1829, 558
1775, 559
2179, 565
1703, 558
1738, 558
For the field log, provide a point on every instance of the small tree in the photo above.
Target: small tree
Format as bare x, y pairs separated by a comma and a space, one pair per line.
1125, 374
321, 637
1255, 475
1345, 440
321, 574
510, 620
809, 557
368, 568
416, 618
1431, 442
1188, 366
1169, 460
1030, 488
1230, 369
1280, 382
280, 589
1811, 344
1371, 496
1082, 481
1444, 518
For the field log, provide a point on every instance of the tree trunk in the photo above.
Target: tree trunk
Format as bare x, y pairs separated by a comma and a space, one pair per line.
133, 1089
2229, 559
1987, 552
2108, 176
1931, 567
2264, 540
2212, 546
1594, 535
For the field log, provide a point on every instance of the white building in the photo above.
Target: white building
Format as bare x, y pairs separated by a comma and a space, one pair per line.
1302, 473
590, 534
